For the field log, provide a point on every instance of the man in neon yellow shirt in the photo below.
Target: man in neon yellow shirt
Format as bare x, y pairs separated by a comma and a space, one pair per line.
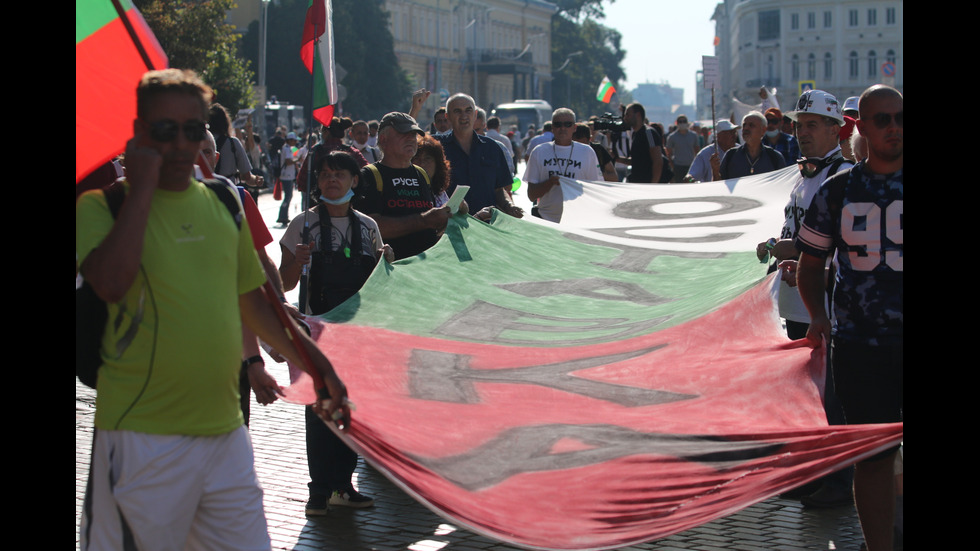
172, 464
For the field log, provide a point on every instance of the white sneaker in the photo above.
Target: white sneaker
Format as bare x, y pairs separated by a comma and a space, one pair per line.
350, 498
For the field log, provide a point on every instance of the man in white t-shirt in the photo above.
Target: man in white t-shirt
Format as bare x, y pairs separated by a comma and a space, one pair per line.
561, 157
287, 160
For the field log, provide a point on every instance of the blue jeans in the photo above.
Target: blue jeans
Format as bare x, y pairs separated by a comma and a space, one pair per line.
287, 196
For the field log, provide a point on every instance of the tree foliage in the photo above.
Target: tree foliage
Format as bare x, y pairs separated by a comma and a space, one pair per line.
363, 47
575, 29
577, 10
194, 36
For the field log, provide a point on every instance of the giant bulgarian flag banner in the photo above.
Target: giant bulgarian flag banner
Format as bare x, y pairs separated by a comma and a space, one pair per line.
113, 48
557, 387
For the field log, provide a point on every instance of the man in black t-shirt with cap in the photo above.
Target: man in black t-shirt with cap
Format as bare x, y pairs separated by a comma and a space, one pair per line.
397, 194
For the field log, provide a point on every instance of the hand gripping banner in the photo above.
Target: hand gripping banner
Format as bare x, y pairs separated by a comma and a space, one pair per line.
614, 379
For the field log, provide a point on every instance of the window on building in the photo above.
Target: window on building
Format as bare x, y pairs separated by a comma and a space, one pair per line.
794, 65
811, 20
889, 16
794, 22
852, 18
828, 66
872, 63
872, 17
852, 59
811, 67
828, 19
890, 56
769, 25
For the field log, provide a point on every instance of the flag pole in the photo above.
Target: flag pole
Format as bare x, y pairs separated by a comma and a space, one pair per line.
304, 279
714, 120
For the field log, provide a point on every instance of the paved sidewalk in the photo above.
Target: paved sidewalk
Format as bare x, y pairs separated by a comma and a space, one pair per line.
397, 522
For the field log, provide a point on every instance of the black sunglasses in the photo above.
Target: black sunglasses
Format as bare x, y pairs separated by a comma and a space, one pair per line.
882, 120
166, 130
563, 124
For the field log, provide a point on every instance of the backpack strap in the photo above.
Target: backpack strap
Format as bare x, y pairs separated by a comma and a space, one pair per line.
232, 203
377, 176
424, 174
114, 193
220, 143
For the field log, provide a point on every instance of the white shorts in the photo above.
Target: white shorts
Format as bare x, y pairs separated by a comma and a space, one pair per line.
172, 492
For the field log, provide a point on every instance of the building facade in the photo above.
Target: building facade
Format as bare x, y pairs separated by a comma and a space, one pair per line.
494, 50
840, 46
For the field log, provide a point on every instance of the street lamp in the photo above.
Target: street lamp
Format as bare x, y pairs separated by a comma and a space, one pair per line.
263, 36
567, 61
472, 23
568, 79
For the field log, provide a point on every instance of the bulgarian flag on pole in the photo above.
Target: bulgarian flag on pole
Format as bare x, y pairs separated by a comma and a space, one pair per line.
113, 48
606, 91
317, 54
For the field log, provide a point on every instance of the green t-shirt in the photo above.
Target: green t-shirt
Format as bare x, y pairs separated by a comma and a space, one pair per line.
172, 347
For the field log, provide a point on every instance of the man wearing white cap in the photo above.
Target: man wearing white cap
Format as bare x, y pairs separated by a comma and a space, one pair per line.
817, 121
850, 108
707, 165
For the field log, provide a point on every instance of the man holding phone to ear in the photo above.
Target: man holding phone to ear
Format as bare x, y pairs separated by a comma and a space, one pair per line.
172, 464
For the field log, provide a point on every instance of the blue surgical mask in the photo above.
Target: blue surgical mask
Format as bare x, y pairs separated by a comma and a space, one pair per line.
772, 133
345, 199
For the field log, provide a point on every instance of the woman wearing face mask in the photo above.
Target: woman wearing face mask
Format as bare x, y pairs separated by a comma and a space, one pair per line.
342, 248
341, 260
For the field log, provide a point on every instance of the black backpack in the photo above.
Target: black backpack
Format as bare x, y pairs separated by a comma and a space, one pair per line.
91, 312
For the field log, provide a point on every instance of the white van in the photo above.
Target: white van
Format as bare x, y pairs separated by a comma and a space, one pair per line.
522, 113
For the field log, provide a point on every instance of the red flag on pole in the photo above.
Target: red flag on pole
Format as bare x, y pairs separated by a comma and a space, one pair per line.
317, 54
113, 48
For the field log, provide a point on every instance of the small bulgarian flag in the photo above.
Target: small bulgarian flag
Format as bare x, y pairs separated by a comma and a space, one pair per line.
113, 48
606, 91
317, 54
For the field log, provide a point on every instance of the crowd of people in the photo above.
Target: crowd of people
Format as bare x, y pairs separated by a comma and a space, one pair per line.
385, 189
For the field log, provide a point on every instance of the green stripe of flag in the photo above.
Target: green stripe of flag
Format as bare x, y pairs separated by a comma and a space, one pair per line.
553, 288
91, 16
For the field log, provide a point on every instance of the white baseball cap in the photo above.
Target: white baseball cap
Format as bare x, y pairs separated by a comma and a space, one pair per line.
725, 125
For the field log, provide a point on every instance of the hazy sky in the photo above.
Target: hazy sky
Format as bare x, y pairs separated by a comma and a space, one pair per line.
664, 39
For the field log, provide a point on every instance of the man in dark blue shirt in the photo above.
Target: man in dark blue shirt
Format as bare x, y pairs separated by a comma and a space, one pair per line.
476, 161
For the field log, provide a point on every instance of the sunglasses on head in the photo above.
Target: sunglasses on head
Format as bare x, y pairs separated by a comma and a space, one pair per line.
166, 130
882, 120
562, 124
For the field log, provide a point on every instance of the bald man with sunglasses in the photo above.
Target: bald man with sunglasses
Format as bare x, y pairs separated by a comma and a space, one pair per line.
860, 216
